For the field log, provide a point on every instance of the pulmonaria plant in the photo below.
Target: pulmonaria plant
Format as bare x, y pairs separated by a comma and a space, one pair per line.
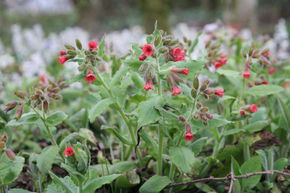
153, 115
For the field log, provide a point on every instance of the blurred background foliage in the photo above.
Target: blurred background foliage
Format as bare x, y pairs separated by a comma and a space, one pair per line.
101, 16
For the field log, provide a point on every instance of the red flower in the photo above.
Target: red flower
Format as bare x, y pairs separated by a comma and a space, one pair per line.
219, 92
90, 78
43, 79
286, 84
148, 50
253, 108
271, 70
223, 61
188, 136
264, 82
62, 59
242, 112
217, 65
62, 52
93, 45
176, 91
69, 151
148, 86
178, 54
142, 57
246, 74
184, 71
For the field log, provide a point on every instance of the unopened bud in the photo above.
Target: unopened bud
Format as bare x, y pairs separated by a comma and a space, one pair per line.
79, 44
204, 109
196, 83
11, 105
45, 105
20, 94
19, 113
182, 119
10, 154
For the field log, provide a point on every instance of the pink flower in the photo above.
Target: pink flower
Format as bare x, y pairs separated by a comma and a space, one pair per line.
253, 108
62, 52
223, 61
271, 70
246, 74
90, 78
148, 50
266, 54
264, 82
242, 112
43, 79
142, 57
148, 86
178, 54
93, 45
219, 92
176, 91
69, 151
185, 71
62, 59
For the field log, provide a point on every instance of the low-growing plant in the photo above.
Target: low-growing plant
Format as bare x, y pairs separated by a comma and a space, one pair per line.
153, 120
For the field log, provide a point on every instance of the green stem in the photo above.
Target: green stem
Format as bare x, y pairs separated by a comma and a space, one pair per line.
160, 134
123, 115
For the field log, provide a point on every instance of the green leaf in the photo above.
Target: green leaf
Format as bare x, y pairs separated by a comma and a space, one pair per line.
98, 108
251, 165
256, 126
116, 133
229, 73
285, 111
26, 118
66, 183
10, 169
16, 190
280, 164
263, 90
46, 158
54, 188
146, 111
204, 187
123, 166
183, 158
155, 184
134, 64
77, 78
95, 184
232, 131
129, 179
117, 78
88, 135
56, 118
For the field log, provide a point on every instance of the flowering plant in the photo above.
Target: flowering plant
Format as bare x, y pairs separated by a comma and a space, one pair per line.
154, 120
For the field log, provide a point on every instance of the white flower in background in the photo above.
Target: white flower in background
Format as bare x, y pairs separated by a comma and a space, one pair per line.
6, 60
281, 40
120, 42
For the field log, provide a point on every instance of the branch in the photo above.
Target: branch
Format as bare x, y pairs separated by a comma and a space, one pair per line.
231, 177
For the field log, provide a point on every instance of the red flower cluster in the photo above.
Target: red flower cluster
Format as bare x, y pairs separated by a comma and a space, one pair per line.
178, 54
188, 136
69, 151
90, 78
223, 60
93, 45
148, 86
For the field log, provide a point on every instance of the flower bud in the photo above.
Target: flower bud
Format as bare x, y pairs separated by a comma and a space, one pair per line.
11, 105
10, 154
45, 105
19, 113
196, 83
20, 94
79, 44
